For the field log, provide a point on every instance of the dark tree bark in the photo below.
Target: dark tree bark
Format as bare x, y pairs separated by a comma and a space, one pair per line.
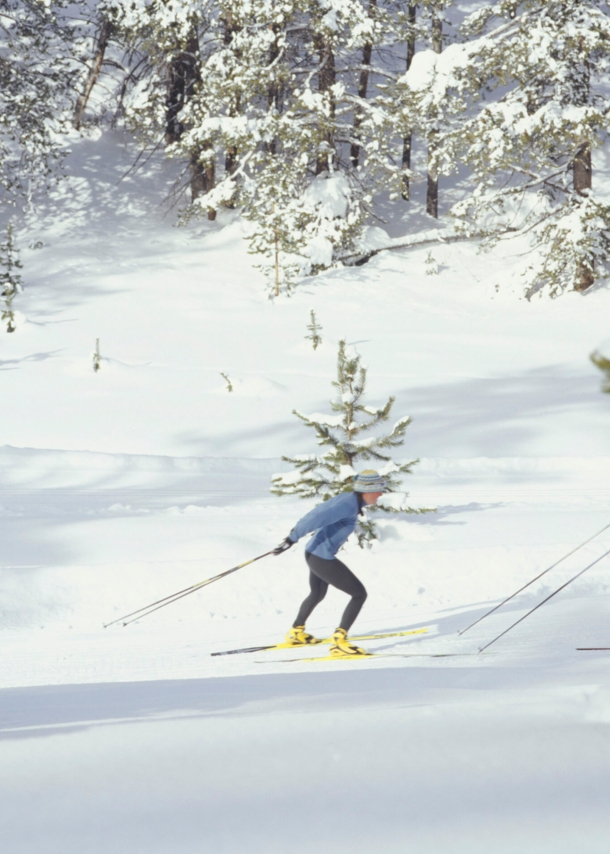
183, 77
582, 170
101, 44
583, 175
432, 193
202, 177
273, 93
408, 140
326, 79
432, 188
367, 52
231, 154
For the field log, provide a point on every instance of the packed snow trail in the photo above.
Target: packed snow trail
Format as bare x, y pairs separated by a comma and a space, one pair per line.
503, 753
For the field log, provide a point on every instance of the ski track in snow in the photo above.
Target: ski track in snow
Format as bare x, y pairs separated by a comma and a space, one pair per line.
121, 487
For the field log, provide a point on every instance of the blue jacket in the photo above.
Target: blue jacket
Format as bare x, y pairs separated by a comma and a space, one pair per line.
333, 521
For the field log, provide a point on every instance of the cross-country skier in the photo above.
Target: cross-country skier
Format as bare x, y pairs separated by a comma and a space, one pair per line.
333, 521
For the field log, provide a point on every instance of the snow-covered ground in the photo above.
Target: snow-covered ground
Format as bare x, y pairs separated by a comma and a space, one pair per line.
122, 486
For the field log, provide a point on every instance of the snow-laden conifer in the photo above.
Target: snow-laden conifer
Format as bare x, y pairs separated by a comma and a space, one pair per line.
10, 264
346, 435
273, 97
279, 113
526, 107
166, 46
10, 277
37, 70
414, 100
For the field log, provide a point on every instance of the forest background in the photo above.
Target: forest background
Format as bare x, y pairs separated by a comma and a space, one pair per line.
306, 116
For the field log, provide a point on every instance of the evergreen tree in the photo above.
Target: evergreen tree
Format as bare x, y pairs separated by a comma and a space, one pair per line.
97, 357
10, 278
435, 9
326, 475
408, 19
533, 75
37, 72
10, 264
300, 114
314, 331
419, 101
602, 361
103, 25
288, 94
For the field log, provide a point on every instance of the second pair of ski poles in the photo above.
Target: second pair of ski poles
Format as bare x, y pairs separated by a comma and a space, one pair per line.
529, 583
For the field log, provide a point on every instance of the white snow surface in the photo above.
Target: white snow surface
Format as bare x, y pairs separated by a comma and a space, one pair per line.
120, 487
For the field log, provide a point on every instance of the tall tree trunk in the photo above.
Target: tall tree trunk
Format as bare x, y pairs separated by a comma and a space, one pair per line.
363, 84
231, 162
101, 44
583, 174
326, 79
273, 92
183, 76
432, 192
231, 153
582, 170
202, 177
408, 140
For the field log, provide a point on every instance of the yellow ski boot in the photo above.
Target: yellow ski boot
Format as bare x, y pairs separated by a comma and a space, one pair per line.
297, 636
342, 648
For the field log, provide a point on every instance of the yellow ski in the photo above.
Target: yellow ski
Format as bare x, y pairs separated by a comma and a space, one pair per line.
379, 636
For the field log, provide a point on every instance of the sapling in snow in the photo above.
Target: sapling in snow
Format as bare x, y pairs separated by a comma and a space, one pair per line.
8, 315
602, 361
431, 265
97, 356
10, 278
327, 474
227, 380
314, 331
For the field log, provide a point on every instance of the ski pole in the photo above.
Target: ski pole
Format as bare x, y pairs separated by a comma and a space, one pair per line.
540, 604
161, 603
521, 589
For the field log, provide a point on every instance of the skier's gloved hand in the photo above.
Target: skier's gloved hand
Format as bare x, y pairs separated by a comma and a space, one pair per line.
283, 546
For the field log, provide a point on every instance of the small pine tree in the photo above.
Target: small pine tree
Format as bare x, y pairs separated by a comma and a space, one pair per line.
227, 380
333, 471
277, 237
603, 363
97, 356
431, 265
8, 314
10, 280
314, 331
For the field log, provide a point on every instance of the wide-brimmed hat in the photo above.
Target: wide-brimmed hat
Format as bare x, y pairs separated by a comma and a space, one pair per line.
369, 481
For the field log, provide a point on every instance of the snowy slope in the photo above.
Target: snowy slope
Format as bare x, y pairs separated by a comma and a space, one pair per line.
119, 487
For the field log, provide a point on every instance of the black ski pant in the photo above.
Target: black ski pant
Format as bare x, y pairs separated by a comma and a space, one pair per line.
324, 572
